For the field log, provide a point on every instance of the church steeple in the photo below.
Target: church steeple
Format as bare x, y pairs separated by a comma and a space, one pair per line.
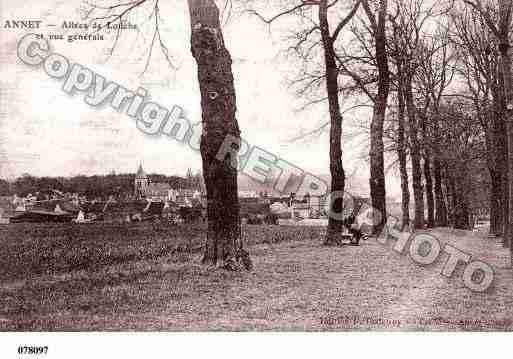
141, 183
140, 172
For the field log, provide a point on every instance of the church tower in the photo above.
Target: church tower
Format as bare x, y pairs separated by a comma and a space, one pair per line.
141, 183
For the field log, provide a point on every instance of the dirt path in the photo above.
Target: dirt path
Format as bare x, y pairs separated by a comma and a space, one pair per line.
296, 285
434, 302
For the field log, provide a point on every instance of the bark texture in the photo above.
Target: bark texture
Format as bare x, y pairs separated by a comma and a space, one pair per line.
505, 14
336, 167
418, 192
224, 245
377, 166
496, 143
401, 154
430, 201
441, 207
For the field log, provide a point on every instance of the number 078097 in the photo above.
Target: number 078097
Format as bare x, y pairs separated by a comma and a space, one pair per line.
32, 350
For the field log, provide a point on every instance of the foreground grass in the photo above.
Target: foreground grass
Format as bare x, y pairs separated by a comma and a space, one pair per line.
147, 277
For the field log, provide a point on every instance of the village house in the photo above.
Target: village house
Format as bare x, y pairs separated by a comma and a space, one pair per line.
188, 197
163, 192
248, 194
154, 191
304, 207
159, 192
7, 209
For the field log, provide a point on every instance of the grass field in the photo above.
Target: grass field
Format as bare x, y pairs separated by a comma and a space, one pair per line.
147, 277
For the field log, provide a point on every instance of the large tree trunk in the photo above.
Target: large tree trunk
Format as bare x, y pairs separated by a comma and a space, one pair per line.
429, 189
456, 174
494, 136
418, 192
401, 154
450, 188
505, 13
501, 152
377, 167
427, 174
461, 209
508, 233
495, 203
224, 245
496, 139
441, 208
336, 166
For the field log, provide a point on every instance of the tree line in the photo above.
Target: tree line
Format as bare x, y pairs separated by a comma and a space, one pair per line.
436, 74
437, 77
92, 187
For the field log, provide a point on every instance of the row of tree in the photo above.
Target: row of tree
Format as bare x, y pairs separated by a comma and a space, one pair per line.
451, 99
436, 74
97, 186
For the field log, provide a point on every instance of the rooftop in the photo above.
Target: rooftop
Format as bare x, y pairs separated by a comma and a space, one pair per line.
141, 173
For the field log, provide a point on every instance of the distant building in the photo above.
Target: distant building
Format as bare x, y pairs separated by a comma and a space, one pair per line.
159, 192
144, 188
163, 192
306, 206
7, 208
184, 197
301, 209
248, 194
141, 184
317, 205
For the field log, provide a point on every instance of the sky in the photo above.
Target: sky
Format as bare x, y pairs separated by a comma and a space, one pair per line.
45, 132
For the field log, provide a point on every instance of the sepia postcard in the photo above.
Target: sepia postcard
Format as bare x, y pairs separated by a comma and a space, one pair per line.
255, 166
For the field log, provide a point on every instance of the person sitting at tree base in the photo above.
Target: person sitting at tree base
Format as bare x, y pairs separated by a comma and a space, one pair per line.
352, 227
